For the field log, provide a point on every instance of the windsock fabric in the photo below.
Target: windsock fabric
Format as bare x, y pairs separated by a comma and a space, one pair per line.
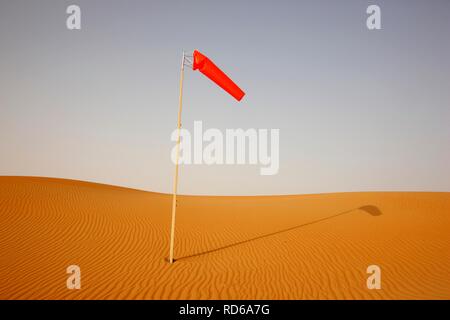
209, 69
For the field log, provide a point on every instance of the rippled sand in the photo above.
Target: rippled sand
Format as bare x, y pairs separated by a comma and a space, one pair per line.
277, 247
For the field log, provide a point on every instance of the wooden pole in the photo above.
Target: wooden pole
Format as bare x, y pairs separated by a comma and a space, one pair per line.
175, 180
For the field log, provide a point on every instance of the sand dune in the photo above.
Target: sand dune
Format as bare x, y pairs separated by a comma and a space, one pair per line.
280, 247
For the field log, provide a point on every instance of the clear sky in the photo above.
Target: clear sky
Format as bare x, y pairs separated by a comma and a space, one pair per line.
358, 110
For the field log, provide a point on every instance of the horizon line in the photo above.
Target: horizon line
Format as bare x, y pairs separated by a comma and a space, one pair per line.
212, 195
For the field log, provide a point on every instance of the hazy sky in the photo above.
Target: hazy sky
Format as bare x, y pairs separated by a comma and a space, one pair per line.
357, 109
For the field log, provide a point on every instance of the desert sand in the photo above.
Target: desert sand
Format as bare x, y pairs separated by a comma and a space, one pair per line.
262, 247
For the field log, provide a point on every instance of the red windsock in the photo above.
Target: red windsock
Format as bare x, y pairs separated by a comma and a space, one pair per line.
209, 69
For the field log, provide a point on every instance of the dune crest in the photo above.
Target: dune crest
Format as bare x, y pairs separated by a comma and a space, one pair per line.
277, 247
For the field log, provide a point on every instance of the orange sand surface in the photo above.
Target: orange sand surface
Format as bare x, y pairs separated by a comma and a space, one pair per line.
262, 247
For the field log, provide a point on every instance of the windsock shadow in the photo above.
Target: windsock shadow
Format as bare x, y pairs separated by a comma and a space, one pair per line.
370, 209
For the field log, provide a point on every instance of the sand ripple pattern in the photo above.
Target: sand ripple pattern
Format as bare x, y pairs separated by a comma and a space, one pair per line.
277, 247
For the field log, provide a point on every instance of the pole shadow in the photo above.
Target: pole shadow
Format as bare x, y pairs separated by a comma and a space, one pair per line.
370, 209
